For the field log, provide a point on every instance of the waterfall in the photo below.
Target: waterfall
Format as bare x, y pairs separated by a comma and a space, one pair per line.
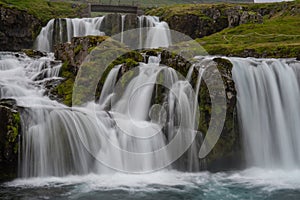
159, 35
141, 22
63, 30
122, 29
124, 131
128, 130
268, 108
44, 39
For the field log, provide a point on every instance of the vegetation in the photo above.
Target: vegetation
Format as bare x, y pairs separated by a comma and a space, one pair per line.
13, 131
156, 3
277, 36
97, 65
45, 10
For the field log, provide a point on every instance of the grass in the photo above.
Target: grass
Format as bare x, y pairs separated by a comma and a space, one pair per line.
157, 3
278, 36
44, 10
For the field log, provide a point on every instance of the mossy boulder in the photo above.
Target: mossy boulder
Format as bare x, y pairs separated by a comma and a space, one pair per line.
88, 49
18, 29
10, 129
33, 53
227, 154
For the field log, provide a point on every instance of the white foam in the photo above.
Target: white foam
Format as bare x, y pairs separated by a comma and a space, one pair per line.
268, 179
117, 181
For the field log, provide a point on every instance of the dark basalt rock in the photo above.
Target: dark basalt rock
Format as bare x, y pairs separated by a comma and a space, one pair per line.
207, 21
18, 29
10, 129
34, 53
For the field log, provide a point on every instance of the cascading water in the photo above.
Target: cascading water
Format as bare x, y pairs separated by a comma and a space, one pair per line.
58, 141
63, 30
268, 105
157, 36
122, 29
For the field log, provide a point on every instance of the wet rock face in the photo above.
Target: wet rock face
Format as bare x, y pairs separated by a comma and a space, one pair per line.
227, 153
76, 51
18, 29
9, 139
195, 26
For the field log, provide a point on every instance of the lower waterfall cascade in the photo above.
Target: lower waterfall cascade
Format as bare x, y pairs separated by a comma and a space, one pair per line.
58, 141
74, 152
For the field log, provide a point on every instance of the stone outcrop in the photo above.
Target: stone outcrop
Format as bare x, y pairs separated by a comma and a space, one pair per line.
227, 154
204, 20
77, 50
10, 129
18, 29
73, 54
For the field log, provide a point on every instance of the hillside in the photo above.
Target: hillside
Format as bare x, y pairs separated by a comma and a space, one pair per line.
257, 30
45, 10
277, 36
153, 3
21, 21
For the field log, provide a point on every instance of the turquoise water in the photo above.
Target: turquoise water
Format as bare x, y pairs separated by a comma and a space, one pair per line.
248, 184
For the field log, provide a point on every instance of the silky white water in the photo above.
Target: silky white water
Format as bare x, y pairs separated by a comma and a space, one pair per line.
61, 145
268, 104
63, 30
110, 134
128, 133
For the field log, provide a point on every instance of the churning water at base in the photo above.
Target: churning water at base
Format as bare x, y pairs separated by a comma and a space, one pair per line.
268, 107
252, 184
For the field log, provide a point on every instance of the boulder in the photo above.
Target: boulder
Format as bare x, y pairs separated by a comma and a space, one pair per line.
10, 130
18, 29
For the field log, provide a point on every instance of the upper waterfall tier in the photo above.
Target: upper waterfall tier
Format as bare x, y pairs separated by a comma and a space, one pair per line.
63, 30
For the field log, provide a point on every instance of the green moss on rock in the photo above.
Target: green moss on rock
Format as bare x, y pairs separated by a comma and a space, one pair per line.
96, 57
10, 129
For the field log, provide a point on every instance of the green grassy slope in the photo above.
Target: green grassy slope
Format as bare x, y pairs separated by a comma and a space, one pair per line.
44, 10
277, 36
153, 3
